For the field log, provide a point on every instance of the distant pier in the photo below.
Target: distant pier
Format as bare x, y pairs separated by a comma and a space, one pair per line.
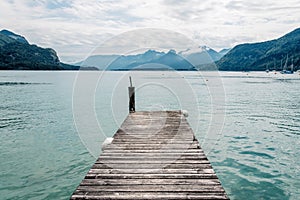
154, 155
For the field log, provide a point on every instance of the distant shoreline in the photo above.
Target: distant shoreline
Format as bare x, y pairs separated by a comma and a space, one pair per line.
123, 70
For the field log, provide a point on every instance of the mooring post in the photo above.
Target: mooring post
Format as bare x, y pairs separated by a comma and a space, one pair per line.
131, 97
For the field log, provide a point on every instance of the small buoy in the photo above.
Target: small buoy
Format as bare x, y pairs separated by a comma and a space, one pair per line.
106, 143
185, 113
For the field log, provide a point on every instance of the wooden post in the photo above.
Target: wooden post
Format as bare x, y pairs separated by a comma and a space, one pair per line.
131, 97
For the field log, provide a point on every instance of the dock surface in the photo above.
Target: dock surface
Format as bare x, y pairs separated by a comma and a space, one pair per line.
154, 155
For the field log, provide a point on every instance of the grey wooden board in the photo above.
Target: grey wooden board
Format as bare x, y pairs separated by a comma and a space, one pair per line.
150, 176
148, 195
152, 188
154, 155
107, 150
152, 171
87, 182
167, 162
154, 166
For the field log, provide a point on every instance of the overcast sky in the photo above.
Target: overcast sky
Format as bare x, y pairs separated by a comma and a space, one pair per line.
75, 27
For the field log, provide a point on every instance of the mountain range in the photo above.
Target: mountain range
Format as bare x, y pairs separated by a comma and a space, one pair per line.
155, 60
151, 60
17, 54
269, 55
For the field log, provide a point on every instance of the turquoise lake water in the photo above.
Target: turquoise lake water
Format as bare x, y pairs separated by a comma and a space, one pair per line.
52, 125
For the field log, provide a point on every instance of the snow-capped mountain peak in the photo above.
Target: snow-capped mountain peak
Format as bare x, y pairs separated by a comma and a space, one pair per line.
198, 49
205, 48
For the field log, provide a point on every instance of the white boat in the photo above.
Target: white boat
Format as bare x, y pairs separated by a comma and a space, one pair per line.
267, 69
285, 69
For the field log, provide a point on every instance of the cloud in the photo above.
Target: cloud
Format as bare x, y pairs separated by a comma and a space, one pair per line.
263, 6
75, 27
142, 39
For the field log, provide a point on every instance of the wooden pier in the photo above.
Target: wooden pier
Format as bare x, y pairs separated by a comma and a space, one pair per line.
154, 155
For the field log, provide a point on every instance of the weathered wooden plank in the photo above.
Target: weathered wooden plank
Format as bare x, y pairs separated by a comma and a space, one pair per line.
154, 166
153, 157
153, 154
87, 182
151, 176
150, 155
153, 188
155, 135
150, 140
143, 148
149, 195
152, 171
162, 162
154, 151
152, 147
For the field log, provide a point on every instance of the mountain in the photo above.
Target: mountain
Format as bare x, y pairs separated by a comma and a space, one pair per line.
154, 60
99, 61
17, 54
174, 61
14, 36
263, 55
149, 60
200, 55
5, 40
223, 52
135, 61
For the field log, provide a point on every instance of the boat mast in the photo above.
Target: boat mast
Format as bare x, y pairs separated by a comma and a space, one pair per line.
286, 62
292, 65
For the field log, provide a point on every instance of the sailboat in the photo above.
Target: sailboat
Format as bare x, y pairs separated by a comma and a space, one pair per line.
285, 67
267, 68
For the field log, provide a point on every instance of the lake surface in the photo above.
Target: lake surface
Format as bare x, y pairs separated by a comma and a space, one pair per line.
52, 125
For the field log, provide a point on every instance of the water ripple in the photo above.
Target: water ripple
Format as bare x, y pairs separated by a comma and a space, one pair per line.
253, 153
